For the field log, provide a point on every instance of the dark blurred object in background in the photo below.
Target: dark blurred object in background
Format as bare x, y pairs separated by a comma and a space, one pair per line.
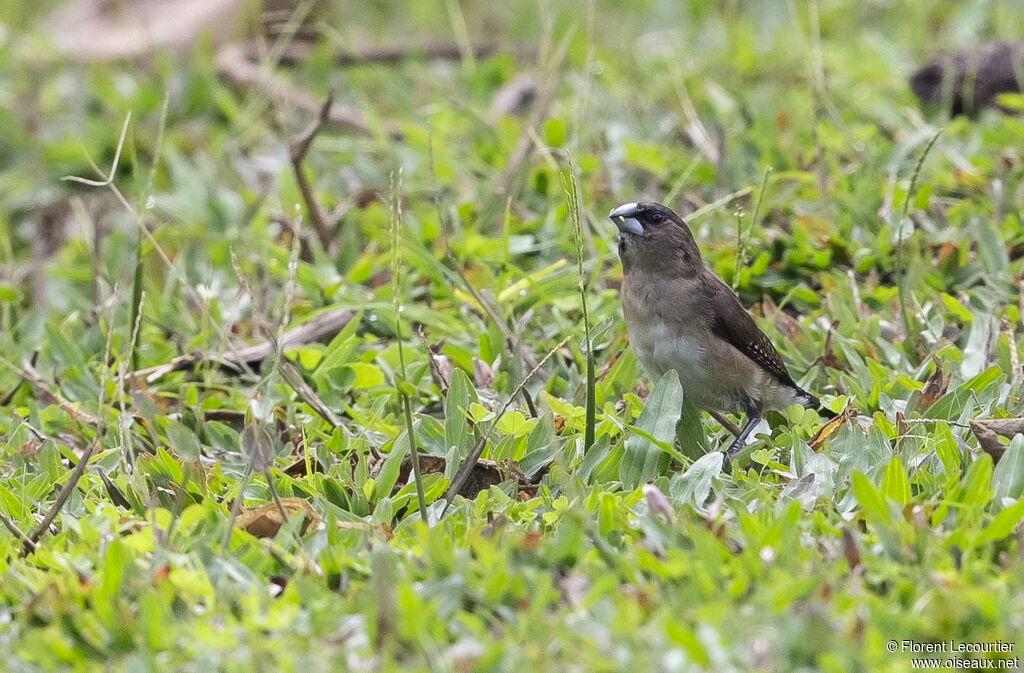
970, 80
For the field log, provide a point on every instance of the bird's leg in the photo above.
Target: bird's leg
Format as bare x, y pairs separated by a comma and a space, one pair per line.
753, 418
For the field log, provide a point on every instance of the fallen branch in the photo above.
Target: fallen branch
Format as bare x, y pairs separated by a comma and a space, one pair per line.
321, 328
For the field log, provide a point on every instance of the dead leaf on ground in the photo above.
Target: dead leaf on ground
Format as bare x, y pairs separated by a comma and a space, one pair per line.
989, 430
832, 427
829, 358
298, 467
485, 473
265, 521
936, 385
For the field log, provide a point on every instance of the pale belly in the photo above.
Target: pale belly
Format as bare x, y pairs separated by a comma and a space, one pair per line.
659, 351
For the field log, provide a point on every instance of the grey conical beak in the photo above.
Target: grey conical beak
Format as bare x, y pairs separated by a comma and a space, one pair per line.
624, 218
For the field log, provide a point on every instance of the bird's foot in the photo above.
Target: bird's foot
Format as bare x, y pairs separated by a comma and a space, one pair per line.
734, 448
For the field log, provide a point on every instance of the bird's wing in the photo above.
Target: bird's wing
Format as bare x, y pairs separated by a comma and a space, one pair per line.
734, 324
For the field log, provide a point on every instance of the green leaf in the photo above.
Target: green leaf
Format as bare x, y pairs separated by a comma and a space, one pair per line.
947, 450
456, 429
554, 132
1003, 523
1008, 475
514, 423
693, 441
952, 403
385, 481
895, 484
871, 500
608, 466
183, 441
368, 376
643, 459
593, 457
975, 488
694, 486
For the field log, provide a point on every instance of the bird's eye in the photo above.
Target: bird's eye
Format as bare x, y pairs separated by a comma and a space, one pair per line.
656, 217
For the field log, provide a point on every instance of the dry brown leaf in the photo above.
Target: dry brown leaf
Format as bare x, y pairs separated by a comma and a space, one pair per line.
850, 550
989, 430
936, 385
829, 358
901, 424
265, 521
831, 427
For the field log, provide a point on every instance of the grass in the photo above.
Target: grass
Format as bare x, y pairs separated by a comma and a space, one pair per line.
599, 534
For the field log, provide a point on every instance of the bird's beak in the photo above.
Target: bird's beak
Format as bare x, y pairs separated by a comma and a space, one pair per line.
624, 218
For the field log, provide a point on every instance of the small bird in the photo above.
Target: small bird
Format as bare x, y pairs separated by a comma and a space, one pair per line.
681, 315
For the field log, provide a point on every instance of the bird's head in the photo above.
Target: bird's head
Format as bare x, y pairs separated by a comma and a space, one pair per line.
653, 238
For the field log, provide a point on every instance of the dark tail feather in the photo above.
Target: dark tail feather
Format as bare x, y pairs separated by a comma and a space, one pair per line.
812, 402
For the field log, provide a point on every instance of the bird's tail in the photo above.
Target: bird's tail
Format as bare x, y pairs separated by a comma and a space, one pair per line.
812, 402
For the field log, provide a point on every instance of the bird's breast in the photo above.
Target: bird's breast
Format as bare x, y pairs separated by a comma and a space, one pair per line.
661, 346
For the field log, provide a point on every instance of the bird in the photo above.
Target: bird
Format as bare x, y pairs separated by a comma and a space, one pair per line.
680, 315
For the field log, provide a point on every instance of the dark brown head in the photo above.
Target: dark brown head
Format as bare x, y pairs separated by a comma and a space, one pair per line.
653, 238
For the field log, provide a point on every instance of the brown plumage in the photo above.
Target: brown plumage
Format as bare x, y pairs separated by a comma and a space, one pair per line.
681, 315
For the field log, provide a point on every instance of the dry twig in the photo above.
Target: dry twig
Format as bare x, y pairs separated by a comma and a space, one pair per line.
321, 328
298, 151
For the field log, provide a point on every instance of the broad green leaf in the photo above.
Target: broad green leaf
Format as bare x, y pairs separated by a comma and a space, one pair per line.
952, 403
367, 375
183, 441
456, 429
895, 484
337, 354
514, 423
477, 412
947, 450
1003, 524
554, 132
385, 481
608, 467
644, 460
597, 453
871, 500
693, 486
1008, 475
693, 442
975, 487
